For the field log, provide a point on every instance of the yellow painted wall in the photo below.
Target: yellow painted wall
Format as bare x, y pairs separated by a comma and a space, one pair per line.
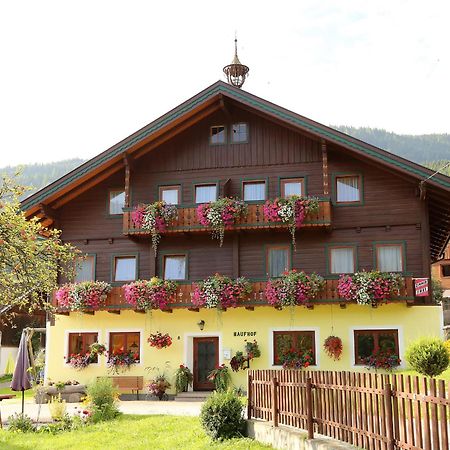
182, 325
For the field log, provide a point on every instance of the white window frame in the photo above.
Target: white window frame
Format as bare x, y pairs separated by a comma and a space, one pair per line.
76, 331
205, 185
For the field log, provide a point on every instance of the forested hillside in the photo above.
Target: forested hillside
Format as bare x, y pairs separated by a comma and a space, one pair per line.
432, 150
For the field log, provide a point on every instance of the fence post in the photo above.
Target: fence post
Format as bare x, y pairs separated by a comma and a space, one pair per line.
309, 409
275, 402
249, 397
387, 392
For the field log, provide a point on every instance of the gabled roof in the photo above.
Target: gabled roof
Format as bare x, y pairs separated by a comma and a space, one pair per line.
198, 107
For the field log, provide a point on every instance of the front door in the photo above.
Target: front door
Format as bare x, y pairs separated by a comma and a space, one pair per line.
206, 358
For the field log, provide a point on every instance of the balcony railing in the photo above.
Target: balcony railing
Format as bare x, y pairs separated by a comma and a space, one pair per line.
188, 221
116, 302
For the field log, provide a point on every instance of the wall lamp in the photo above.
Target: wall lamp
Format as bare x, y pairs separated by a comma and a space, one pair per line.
201, 324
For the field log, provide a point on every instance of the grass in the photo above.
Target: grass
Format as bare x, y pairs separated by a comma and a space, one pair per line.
126, 433
444, 376
5, 378
18, 394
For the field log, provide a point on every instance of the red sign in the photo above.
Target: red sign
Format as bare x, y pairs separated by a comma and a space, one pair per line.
421, 287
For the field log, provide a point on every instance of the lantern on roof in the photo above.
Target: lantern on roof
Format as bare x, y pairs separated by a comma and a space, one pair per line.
236, 72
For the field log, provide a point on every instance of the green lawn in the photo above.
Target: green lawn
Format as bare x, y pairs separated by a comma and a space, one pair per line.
128, 432
6, 391
444, 376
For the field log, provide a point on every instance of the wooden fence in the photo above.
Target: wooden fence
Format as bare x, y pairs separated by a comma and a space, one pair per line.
370, 411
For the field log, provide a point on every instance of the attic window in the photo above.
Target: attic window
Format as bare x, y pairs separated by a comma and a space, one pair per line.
217, 135
239, 133
116, 201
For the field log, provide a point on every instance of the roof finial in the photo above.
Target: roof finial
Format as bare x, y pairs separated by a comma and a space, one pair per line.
236, 72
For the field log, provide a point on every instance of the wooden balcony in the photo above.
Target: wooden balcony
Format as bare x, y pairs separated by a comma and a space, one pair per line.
188, 221
115, 301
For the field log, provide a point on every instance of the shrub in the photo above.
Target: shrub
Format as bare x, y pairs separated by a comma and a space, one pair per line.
428, 356
221, 416
21, 423
66, 423
183, 378
57, 407
447, 345
102, 400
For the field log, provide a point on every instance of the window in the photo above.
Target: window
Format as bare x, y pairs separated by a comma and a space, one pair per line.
368, 342
348, 189
217, 135
278, 261
291, 186
342, 260
116, 202
125, 268
389, 258
175, 267
79, 343
126, 342
240, 133
205, 193
170, 194
299, 340
445, 270
85, 269
254, 190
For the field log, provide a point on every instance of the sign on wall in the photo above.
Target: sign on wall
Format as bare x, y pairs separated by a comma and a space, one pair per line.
421, 287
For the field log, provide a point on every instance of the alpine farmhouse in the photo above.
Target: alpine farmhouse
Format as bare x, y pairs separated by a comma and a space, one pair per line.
374, 211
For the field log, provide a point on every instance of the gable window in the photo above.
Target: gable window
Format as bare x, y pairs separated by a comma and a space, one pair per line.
125, 268
291, 186
342, 260
389, 258
170, 194
283, 341
368, 342
116, 202
175, 267
85, 269
125, 342
445, 270
79, 343
254, 190
348, 189
205, 193
239, 133
278, 260
217, 134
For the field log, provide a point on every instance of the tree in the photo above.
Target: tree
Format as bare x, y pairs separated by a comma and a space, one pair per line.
31, 257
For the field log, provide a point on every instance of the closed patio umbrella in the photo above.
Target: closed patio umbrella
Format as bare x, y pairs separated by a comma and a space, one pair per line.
21, 377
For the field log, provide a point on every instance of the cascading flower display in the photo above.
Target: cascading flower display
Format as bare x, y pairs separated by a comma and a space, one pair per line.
296, 359
155, 218
291, 211
369, 288
149, 294
159, 340
382, 360
293, 288
84, 295
221, 214
333, 347
121, 360
220, 292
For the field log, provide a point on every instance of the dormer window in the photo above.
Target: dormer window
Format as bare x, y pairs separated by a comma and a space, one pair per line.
217, 135
239, 133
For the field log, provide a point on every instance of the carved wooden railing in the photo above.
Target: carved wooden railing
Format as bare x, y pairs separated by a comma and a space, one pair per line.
116, 302
188, 221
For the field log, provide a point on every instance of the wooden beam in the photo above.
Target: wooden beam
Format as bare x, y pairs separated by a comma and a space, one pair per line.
326, 189
48, 211
114, 311
127, 163
87, 185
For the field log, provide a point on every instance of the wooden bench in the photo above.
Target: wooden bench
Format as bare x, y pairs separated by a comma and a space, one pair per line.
128, 383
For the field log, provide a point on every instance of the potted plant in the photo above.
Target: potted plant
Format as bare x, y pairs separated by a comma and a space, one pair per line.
369, 288
183, 378
84, 295
333, 347
293, 288
296, 359
221, 378
220, 292
291, 211
159, 340
121, 360
158, 386
252, 349
97, 349
147, 295
239, 361
155, 218
221, 214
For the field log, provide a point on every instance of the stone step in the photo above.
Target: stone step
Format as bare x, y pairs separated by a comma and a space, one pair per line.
192, 396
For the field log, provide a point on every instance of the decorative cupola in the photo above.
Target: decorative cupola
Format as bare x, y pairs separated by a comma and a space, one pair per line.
236, 72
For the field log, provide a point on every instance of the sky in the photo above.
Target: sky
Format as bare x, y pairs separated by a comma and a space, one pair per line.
76, 77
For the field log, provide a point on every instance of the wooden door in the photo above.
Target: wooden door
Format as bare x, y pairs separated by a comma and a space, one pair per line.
206, 358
